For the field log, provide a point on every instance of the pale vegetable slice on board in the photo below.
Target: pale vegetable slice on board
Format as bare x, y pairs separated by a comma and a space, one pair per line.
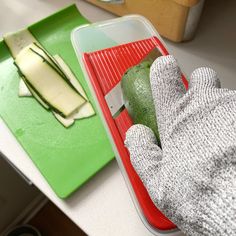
35, 94
50, 85
23, 89
70, 75
86, 110
65, 121
18, 41
22, 40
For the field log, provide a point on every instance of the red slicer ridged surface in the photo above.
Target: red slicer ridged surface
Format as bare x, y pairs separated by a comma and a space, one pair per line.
105, 69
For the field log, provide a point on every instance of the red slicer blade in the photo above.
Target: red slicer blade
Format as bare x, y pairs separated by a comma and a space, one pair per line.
105, 69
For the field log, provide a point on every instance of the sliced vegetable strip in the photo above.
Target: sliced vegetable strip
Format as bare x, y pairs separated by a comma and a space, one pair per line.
50, 85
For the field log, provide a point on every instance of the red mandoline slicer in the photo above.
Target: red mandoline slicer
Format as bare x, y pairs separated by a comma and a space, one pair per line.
105, 51
105, 69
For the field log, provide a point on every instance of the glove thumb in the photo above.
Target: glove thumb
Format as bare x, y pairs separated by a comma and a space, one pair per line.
145, 154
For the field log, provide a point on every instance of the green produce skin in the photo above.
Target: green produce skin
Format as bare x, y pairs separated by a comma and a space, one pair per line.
138, 98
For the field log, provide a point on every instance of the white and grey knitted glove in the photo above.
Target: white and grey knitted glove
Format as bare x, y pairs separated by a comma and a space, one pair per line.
192, 180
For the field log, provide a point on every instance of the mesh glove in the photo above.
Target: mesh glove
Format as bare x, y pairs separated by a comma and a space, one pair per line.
192, 179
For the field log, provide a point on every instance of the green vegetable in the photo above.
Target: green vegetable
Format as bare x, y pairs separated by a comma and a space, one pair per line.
137, 95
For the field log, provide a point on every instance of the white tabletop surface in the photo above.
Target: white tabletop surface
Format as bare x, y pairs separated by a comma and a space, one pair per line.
103, 205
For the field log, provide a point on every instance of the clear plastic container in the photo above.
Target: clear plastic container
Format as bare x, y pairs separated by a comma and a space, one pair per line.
122, 30
111, 38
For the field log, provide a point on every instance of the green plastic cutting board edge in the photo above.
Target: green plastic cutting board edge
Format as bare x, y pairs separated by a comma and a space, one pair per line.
66, 157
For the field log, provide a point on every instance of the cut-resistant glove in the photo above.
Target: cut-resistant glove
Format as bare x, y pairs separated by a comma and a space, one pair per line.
192, 177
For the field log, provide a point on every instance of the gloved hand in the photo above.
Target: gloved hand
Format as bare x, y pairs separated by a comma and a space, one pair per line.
192, 180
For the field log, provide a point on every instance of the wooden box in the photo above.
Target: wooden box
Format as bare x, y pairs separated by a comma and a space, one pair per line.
174, 19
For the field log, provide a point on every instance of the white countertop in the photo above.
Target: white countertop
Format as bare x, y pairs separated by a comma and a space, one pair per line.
103, 205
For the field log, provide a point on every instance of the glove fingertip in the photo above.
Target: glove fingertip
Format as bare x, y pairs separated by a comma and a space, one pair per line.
162, 65
139, 135
166, 83
204, 77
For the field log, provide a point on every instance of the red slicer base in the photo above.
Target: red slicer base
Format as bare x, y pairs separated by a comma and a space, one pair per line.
105, 69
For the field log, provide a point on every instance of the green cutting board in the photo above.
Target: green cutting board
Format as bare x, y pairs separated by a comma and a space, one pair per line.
66, 157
